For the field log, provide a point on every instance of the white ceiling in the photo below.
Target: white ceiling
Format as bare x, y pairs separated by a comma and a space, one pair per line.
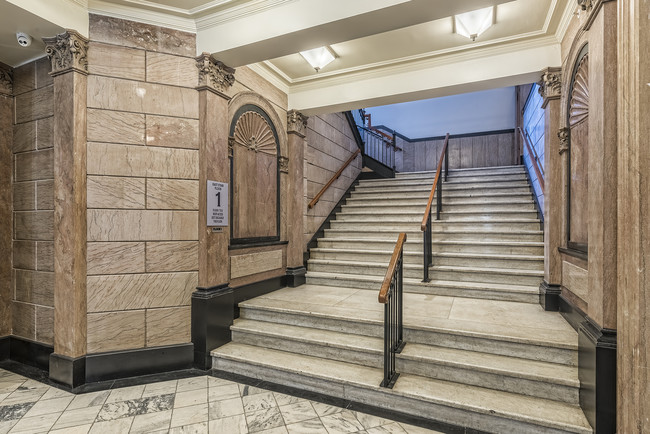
377, 41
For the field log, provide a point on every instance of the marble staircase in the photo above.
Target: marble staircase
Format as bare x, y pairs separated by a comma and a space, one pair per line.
480, 352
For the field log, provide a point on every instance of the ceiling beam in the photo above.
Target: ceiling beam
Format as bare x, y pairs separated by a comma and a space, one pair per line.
304, 24
469, 72
66, 14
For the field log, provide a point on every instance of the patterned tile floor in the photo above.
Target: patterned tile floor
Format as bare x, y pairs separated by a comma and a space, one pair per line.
202, 404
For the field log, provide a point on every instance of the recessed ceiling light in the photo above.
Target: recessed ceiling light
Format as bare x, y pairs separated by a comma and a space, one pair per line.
319, 57
472, 24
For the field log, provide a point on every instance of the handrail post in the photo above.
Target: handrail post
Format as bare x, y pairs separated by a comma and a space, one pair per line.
447, 159
439, 200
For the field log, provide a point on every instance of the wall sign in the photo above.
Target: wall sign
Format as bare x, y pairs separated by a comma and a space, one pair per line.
217, 203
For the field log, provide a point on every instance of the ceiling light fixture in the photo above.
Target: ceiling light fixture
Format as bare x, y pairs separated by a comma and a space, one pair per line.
319, 57
472, 24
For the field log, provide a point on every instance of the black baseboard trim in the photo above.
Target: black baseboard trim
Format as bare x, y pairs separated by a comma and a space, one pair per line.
133, 363
5, 348
30, 353
252, 290
68, 371
296, 276
549, 296
348, 404
571, 313
212, 316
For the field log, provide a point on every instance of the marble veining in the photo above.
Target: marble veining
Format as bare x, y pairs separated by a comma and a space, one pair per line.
135, 407
15, 411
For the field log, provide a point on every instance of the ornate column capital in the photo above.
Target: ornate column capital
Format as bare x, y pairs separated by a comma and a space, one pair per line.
550, 85
6, 79
586, 5
67, 52
213, 74
296, 123
563, 135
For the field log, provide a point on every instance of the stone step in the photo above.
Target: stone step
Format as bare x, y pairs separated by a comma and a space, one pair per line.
451, 214
489, 326
503, 247
448, 213
484, 291
487, 171
437, 235
370, 244
405, 223
453, 403
486, 274
446, 186
396, 200
500, 178
478, 190
358, 267
522, 205
520, 376
418, 207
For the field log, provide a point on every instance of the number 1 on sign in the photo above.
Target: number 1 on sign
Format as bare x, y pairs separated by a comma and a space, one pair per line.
218, 199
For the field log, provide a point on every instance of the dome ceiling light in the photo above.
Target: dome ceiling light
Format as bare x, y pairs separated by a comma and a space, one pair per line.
472, 24
319, 57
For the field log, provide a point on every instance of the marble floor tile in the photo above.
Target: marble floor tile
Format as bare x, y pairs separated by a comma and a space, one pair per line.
135, 407
264, 419
53, 392
80, 416
22, 395
192, 383
189, 415
162, 388
89, 400
191, 397
412, 429
343, 422
214, 382
6, 425
45, 406
278, 430
219, 393
3, 396
283, 399
149, 422
15, 411
293, 413
370, 421
6, 387
80, 429
196, 428
391, 428
231, 425
225, 408
325, 409
35, 424
246, 390
311, 426
117, 426
125, 393
259, 401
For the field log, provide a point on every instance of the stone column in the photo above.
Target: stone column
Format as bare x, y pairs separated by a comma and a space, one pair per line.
67, 52
633, 216
296, 129
6, 203
554, 161
212, 302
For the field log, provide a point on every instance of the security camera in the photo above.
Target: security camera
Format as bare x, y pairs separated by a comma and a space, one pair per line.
24, 40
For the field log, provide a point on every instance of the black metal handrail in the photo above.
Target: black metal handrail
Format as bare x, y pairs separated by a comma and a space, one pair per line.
378, 147
390, 295
426, 219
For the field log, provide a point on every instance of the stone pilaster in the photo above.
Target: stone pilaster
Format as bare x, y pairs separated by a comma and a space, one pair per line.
550, 87
212, 303
296, 129
6, 202
67, 53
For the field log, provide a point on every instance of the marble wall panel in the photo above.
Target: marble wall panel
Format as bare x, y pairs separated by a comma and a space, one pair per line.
114, 331
24, 137
33, 105
132, 225
168, 326
172, 256
24, 195
172, 194
34, 165
132, 96
23, 320
116, 61
45, 133
253, 263
574, 278
127, 160
115, 127
172, 132
24, 254
114, 258
248, 80
115, 192
45, 255
34, 225
45, 325
139, 291
174, 70
138, 35
24, 78
43, 68
45, 194
36, 287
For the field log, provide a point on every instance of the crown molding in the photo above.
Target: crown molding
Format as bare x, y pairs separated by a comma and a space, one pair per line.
132, 13
271, 75
567, 15
82, 3
237, 12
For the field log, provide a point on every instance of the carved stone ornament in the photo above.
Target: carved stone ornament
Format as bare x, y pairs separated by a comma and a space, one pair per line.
550, 86
214, 74
296, 123
253, 132
284, 164
231, 146
586, 5
67, 52
6, 79
563, 135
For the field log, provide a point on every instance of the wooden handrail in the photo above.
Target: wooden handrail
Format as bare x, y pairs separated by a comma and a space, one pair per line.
385, 286
540, 177
336, 176
427, 210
